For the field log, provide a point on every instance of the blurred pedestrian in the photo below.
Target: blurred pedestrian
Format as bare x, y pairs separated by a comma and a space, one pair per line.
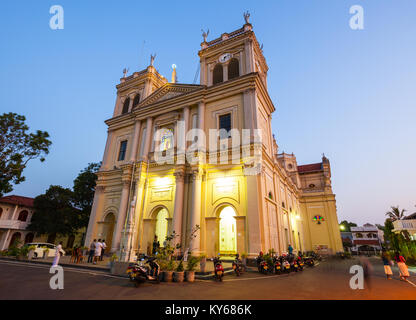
58, 253
368, 269
97, 252
387, 264
401, 263
104, 246
91, 252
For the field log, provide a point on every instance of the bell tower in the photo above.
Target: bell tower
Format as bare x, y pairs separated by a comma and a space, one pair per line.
232, 55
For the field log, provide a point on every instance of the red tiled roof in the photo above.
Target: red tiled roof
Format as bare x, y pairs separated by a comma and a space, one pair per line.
310, 167
373, 242
18, 200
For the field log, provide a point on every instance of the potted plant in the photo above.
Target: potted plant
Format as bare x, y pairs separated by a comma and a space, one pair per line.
168, 276
179, 274
31, 252
113, 259
190, 268
203, 262
45, 252
23, 252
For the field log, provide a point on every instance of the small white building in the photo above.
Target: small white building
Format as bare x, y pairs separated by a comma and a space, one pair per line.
15, 215
367, 239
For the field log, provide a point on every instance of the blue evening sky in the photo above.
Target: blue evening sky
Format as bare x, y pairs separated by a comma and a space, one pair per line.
350, 94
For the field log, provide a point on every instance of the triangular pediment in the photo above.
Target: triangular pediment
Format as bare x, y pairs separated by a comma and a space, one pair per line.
168, 91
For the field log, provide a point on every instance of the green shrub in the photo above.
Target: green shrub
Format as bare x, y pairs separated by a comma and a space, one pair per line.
170, 266
179, 268
192, 263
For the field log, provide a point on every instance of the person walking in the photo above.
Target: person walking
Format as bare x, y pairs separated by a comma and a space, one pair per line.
97, 252
91, 252
58, 252
104, 246
401, 263
387, 263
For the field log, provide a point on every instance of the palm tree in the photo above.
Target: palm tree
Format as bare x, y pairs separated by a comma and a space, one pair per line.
396, 213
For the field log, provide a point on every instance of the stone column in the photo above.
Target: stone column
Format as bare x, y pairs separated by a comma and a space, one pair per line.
149, 132
178, 209
95, 210
201, 119
135, 146
121, 217
195, 218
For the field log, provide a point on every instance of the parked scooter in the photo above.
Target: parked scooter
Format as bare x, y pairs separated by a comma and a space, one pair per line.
277, 265
300, 262
262, 264
285, 264
218, 269
238, 265
138, 272
293, 263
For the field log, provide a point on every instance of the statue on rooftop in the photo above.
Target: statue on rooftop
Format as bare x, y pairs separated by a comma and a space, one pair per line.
125, 70
152, 59
247, 17
205, 35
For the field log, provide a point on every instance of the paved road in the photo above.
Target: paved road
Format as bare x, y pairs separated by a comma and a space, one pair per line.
329, 280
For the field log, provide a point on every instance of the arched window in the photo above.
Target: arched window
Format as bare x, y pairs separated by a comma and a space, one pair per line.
136, 100
126, 106
1, 211
233, 69
29, 238
359, 235
23, 216
218, 75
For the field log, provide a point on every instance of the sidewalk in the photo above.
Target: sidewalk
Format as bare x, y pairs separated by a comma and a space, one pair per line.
65, 262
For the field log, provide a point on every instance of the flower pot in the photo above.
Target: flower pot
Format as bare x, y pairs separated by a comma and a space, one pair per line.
45, 254
31, 254
190, 276
168, 276
178, 276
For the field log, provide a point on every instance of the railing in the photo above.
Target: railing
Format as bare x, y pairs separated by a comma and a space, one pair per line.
13, 224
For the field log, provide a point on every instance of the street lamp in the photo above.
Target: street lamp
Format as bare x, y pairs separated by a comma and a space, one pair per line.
342, 227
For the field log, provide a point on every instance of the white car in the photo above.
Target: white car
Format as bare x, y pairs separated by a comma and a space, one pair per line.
40, 247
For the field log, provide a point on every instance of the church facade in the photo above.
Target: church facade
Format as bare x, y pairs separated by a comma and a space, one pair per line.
185, 157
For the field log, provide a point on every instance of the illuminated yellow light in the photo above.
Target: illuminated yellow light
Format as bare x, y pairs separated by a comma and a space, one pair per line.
162, 182
297, 217
225, 184
342, 227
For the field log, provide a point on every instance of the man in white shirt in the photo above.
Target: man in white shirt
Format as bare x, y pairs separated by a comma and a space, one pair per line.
98, 249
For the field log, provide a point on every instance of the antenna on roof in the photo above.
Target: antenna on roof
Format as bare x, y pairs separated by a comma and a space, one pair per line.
197, 73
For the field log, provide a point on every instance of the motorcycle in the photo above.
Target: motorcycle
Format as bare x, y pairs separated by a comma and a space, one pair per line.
300, 263
218, 269
262, 264
237, 265
293, 263
285, 264
140, 272
277, 265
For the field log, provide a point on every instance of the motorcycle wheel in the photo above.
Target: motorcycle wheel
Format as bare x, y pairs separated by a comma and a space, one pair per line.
220, 278
237, 272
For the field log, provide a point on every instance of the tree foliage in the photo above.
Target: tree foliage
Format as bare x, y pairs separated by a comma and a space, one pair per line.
347, 225
17, 148
84, 189
395, 213
55, 213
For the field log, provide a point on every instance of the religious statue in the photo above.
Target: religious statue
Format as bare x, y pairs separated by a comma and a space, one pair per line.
125, 72
246, 17
205, 35
152, 59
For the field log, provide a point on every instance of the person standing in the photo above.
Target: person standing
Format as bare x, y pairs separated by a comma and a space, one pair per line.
401, 263
104, 246
91, 252
97, 252
290, 249
387, 262
58, 252
156, 245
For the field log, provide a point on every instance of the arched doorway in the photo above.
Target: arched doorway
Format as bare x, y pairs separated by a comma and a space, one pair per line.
108, 230
228, 234
14, 241
161, 229
29, 238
